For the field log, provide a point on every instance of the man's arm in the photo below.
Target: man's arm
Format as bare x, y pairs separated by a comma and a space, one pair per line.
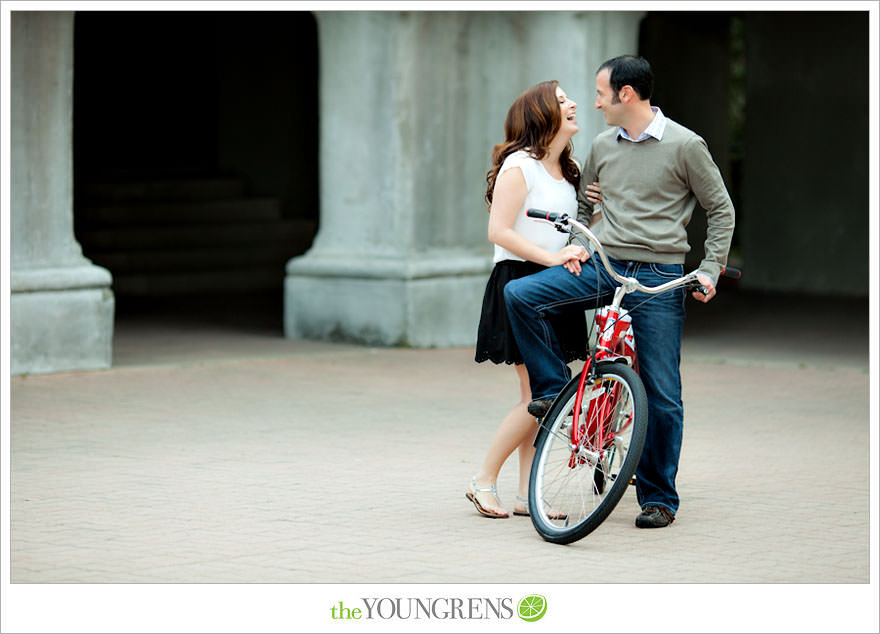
705, 181
586, 208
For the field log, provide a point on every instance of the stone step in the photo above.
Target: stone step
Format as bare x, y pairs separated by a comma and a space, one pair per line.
173, 237
184, 236
169, 189
199, 259
180, 212
195, 282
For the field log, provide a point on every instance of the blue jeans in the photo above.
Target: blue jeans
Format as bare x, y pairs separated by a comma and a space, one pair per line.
657, 326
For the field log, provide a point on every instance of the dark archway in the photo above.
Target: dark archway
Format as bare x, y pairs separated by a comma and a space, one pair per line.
782, 100
195, 152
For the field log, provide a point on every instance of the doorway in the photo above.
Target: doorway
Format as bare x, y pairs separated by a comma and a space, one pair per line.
781, 99
195, 169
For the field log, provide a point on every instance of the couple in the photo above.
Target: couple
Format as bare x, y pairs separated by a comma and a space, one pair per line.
652, 172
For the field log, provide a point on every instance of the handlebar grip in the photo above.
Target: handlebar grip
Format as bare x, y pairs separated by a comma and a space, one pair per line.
696, 287
731, 272
543, 215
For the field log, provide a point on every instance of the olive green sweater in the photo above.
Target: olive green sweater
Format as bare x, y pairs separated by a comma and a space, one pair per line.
649, 190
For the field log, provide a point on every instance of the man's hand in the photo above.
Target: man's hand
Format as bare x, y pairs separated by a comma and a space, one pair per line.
594, 193
707, 283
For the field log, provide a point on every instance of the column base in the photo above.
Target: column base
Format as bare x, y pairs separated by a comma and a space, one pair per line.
431, 302
60, 320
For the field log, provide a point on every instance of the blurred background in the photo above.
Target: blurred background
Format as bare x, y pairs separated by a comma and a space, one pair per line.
218, 161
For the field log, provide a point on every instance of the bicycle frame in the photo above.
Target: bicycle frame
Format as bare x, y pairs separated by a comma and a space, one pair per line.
615, 341
601, 408
587, 452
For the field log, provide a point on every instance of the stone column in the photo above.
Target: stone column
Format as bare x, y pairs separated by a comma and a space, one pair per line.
61, 306
411, 104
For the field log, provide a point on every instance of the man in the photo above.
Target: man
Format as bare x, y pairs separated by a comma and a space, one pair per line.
652, 171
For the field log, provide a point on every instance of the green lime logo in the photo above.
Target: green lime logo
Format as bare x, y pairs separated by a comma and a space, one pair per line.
532, 608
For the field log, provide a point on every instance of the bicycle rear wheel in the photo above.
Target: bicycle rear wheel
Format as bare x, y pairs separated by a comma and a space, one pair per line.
574, 488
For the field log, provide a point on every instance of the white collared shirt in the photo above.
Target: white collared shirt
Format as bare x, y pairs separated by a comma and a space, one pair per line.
655, 128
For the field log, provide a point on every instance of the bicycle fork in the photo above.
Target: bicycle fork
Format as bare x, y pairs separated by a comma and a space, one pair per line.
602, 405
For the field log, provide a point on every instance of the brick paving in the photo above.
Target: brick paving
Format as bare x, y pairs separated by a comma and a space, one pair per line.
231, 457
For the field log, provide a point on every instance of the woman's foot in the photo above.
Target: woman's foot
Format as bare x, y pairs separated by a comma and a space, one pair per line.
485, 500
522, 508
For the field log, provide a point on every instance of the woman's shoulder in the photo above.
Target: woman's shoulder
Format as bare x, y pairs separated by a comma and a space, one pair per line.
519, 157
523, 160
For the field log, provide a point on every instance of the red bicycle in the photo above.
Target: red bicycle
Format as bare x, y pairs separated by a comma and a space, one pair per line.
590, 441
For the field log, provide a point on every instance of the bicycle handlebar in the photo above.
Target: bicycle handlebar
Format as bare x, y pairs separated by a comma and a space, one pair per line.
549, 216
630, 284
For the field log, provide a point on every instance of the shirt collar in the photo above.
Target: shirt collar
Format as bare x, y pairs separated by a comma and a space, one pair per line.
655, 128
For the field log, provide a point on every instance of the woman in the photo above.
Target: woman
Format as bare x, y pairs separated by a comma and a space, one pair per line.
532, 168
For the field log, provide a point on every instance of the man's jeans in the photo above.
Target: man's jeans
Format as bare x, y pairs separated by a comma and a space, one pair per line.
657, 326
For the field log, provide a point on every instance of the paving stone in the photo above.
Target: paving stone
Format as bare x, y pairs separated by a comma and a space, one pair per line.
225, 456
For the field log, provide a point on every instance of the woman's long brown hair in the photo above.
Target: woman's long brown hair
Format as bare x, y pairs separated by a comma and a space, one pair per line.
532, 122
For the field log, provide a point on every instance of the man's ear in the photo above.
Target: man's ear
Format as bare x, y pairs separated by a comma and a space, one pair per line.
627, 94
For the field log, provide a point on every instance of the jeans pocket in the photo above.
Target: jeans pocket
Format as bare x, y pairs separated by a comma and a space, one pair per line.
666, 271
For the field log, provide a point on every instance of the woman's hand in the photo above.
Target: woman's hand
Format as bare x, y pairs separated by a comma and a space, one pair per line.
571, 257
594, 194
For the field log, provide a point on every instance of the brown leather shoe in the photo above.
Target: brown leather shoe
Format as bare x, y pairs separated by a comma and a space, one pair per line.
539, 407
655, 517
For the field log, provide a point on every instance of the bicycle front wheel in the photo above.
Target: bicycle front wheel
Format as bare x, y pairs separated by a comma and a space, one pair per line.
574, 486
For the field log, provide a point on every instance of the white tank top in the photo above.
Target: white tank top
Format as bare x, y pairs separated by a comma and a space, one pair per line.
545, 192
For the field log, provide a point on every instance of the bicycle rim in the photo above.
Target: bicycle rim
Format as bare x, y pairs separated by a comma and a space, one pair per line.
574, 488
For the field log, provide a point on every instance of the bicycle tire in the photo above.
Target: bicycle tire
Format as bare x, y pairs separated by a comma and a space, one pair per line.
569, 496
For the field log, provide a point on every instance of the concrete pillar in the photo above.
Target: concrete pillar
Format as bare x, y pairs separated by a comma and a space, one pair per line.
411, 104
61, 306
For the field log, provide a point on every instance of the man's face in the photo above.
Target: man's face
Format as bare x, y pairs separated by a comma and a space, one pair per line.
606, 99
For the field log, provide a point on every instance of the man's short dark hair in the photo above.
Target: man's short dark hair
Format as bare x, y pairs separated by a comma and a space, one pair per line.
629, 70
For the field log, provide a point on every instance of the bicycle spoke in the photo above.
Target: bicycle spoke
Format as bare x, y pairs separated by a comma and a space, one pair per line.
574, 486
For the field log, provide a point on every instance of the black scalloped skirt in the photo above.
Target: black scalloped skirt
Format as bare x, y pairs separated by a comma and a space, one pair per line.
495, 340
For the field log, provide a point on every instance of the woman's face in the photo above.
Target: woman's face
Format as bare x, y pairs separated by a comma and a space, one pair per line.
567, 110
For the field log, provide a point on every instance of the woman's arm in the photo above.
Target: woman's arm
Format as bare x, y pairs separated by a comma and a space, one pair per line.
507, 199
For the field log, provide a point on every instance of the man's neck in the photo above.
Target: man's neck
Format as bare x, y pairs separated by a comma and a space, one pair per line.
642, 116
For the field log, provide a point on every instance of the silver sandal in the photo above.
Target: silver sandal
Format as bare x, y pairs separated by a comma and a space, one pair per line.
522, 513
482, 510
550, 515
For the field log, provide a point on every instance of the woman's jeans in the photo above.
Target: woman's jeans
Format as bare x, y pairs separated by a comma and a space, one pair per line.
657, 325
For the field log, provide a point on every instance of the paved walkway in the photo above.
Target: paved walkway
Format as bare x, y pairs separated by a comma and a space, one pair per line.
211, 453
